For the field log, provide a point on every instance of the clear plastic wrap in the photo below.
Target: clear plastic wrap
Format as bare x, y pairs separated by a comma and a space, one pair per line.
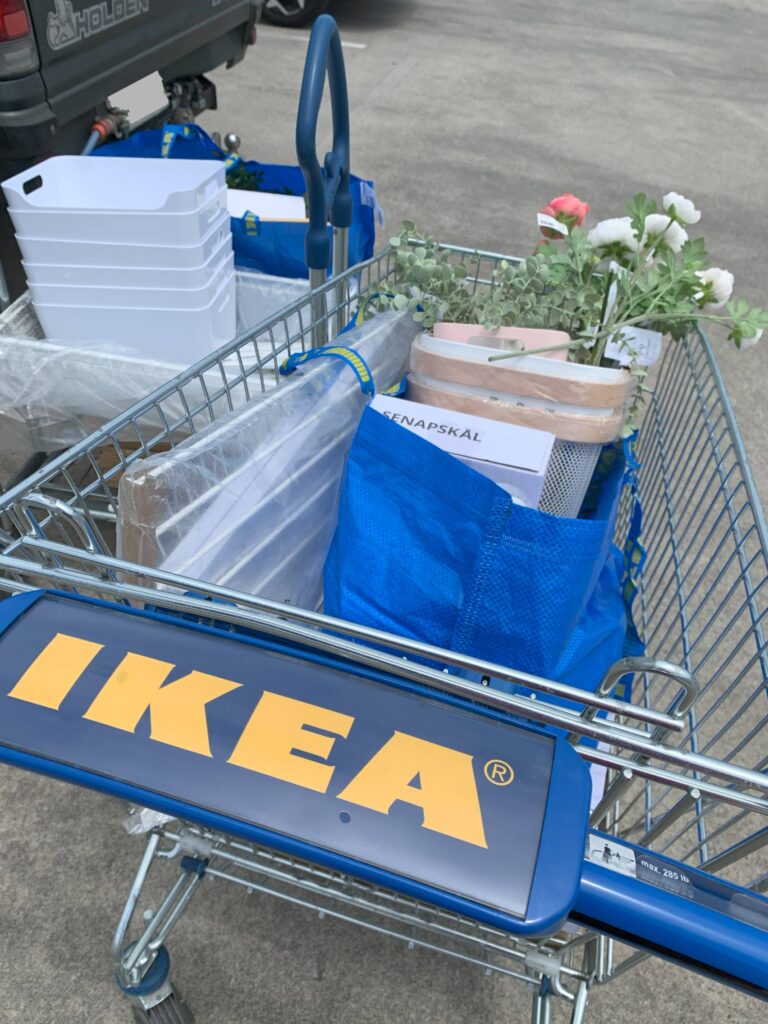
52, 396
251, 501
141, 820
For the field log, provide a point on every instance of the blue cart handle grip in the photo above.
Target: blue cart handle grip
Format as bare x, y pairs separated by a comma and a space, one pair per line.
327, 188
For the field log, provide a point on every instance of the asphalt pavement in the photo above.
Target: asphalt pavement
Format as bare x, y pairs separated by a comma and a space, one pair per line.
469, 116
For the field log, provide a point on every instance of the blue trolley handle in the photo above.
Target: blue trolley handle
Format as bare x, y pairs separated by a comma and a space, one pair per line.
328, 188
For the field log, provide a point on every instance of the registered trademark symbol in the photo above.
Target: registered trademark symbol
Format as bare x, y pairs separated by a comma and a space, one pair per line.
498, 772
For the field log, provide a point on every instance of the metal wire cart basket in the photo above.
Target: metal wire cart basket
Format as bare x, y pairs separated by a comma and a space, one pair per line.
687, 794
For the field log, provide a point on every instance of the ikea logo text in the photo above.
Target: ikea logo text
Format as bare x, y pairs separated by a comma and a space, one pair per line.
275, 739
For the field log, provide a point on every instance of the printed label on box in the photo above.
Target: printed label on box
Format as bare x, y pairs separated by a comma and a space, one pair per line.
521, 485
471, 437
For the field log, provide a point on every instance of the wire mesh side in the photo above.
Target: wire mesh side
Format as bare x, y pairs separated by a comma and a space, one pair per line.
702, 604
86, 477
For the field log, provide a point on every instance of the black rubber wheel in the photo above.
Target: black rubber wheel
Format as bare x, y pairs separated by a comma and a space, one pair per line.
293, 13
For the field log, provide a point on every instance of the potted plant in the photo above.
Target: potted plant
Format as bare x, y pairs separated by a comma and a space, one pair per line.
615, 289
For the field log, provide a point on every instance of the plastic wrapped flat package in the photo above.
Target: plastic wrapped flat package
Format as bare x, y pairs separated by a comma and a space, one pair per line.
52, 396
251, 501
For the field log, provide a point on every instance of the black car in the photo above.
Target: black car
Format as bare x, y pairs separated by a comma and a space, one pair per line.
60, 60
293, 12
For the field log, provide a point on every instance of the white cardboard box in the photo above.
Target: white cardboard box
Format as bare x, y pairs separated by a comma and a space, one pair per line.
516, 458
266, 205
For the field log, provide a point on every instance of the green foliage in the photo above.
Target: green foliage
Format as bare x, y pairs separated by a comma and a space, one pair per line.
427, 282
568, 285
638, 208
532, 293
746, 322
240, 177
565, 285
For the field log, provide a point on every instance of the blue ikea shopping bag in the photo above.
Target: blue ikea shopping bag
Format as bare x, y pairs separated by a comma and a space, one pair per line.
427, 548
269, 247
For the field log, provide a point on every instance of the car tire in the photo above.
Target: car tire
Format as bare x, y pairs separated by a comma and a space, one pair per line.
293, 14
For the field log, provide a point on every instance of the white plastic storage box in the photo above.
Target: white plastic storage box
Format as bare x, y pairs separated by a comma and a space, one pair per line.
176, 335
105, 276
123, 226
126, 254
83, 184
129, 298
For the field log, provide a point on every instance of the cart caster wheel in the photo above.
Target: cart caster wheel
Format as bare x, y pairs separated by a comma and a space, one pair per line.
172, 1010
154, 999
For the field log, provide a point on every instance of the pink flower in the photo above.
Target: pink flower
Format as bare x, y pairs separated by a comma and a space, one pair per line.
566, 209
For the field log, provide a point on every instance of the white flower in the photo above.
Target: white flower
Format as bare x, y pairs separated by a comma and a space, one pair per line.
614, 231
658, 225
752, 339
685, 211
718, 286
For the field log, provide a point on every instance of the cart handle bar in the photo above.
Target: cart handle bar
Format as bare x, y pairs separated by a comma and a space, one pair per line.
108, 567
327, 187
280, 626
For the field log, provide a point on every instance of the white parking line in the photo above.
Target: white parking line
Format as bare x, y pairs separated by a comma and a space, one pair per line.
289, 35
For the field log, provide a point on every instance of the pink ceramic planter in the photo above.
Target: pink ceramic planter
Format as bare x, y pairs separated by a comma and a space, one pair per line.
531, 339
452, 369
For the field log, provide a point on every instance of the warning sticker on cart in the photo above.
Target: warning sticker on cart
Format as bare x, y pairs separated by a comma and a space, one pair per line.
678, 879
643, 865
664, 873
609, 854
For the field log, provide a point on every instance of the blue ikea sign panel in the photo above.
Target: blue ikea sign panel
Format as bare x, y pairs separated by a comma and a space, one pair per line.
426, 794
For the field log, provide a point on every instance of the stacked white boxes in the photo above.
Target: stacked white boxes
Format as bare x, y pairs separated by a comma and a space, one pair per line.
131, 251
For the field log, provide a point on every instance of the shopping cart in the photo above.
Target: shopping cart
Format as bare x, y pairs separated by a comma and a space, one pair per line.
686, 797
672, 862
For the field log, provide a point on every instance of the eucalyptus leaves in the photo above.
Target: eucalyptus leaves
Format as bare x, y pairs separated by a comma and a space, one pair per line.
642, 269
429, 280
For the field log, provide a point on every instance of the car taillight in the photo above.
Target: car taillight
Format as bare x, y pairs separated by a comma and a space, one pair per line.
18, 52
14, 20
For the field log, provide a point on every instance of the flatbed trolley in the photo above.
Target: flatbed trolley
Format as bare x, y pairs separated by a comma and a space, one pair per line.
280, 762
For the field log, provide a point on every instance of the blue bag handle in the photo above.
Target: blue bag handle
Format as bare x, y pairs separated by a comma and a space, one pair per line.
352, 358
171, 132
328, 186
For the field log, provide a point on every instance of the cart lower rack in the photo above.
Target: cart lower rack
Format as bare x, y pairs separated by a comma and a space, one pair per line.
674, 859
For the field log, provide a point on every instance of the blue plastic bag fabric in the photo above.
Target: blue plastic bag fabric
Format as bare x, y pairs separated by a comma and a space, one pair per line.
270, 247
427, 548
